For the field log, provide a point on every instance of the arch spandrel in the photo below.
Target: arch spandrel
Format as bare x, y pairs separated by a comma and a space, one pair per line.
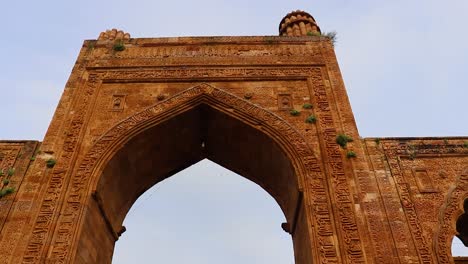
254, 115
303, 160
291, 140
449, 213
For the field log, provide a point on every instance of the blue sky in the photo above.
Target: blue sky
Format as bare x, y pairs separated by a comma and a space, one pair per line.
404, 63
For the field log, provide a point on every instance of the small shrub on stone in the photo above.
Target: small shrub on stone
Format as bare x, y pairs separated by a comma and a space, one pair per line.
50, 163
6, 191
313, 34
307, 106
331, 36
294, 112
311, 119
343, 140
351, 154
119, 46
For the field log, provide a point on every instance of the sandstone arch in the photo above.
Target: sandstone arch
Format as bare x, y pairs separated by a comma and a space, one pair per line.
293, 158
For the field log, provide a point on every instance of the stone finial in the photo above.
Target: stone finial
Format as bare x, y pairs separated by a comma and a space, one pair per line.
298, 23
114, 34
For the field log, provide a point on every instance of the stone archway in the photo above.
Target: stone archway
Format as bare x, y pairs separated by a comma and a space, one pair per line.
94, 182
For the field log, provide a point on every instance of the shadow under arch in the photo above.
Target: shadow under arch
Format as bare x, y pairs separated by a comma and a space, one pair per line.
449, 219
200, 122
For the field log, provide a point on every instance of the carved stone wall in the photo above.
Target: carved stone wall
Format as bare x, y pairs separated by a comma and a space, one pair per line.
389, 200
16, 158
425, 172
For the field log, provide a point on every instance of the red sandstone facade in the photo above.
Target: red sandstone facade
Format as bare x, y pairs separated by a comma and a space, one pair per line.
135, 111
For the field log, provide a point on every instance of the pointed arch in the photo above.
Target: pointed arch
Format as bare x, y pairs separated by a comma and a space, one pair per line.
290, 141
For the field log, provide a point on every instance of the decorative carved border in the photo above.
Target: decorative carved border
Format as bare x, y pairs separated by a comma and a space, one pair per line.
220, 50
449, 214
142, 75
404, 147
58, 181
393, 152
188, 52
346, 219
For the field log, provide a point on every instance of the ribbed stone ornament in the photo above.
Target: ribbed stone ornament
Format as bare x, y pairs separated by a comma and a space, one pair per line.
298, 23
114, 34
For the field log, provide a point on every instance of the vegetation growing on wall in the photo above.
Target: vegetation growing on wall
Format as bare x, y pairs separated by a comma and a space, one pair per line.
343, 139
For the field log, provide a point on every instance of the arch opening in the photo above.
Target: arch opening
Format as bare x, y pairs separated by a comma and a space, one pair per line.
204, 214
158, 152
460, 241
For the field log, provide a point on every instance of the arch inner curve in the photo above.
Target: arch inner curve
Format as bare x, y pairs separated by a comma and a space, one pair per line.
201, 129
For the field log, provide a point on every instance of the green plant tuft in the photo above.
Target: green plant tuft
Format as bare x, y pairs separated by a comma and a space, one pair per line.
119, 45
307, 106
377, 141
9, 190
465, 144
294, 112
91, 45
314, 34
6, 181
343, 140
11, 171
33, 158
50, 163
331, 36
351, 154
6, 191
311, 119
1, 173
